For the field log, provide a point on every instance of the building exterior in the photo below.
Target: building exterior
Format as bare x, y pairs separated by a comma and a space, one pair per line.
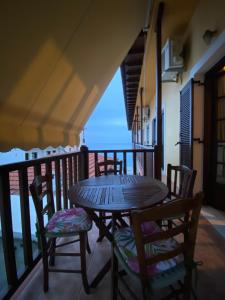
192, 91
56, 61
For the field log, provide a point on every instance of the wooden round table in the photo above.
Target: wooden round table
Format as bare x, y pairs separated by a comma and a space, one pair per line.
118, 193
115, 194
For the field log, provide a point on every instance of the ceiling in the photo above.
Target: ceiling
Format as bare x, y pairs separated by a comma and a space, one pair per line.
175, 20
131, 72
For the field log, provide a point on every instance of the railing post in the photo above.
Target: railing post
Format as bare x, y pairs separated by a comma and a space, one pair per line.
84, 163
7, 229
158, 31
157, 162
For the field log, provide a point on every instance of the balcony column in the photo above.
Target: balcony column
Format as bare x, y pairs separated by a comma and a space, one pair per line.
158, 30
84, 163
141, 97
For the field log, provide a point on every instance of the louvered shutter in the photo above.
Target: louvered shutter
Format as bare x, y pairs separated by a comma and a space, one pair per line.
186, 125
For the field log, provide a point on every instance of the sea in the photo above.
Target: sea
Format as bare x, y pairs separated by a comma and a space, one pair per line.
109, 146
115, 146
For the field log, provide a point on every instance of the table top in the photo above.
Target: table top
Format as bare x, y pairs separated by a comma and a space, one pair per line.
118, 193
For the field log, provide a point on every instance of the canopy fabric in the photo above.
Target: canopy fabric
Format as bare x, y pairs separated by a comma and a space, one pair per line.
57, 57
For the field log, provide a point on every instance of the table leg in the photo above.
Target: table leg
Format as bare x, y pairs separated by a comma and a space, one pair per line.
100, 225
101, 274
114, 264
107, 233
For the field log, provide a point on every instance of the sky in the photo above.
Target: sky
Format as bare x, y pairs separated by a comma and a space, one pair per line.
107, 126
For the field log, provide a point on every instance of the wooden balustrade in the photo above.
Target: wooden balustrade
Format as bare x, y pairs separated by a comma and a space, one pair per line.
135, 161
14, 181
67, 170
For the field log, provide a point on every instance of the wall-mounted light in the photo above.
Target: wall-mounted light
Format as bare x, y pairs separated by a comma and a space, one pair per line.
208, 36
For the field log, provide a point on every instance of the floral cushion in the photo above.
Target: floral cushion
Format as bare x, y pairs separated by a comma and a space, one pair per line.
124, 240
68, 222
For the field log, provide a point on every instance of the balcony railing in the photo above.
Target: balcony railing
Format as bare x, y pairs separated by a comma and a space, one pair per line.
19, 251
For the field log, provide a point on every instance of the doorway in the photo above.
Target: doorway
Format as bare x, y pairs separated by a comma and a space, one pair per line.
214, 157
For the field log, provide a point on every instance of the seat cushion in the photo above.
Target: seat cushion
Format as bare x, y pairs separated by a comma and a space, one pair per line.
68, 222
125, 243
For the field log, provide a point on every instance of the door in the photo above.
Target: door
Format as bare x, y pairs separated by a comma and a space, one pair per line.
186, 125
220, 140
215, 147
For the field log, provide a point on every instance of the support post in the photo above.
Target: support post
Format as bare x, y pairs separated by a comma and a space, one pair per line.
141, 96
84, 163
158, 30
157, 167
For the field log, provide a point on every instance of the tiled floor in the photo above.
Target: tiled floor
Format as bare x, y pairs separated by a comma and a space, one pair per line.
69, 286
216, 218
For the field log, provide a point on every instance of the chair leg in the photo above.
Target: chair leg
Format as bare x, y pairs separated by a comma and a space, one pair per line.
101, 233
187, 286
114, 274
83, 241
101, 237
45, 270
52, 252
88, 245
114, 279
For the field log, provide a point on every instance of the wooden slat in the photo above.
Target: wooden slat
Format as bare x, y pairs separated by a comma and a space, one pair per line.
48, 168
134, 163
145, 163
58, 185
64, 179
37, 170
70, 171
186, 125
163, 235
165, 256
96, 161
7, 229
25, 216
105, 158
75, 168
115, 159
125, 163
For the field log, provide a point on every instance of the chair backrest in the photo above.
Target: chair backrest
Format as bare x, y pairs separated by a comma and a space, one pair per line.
109, 166
189, 208
41, 189
186, 179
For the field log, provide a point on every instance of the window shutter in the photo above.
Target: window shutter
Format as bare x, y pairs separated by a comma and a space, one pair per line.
186, 125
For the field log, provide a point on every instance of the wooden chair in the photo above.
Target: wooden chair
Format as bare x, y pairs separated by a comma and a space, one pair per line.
186, 178
108, 167
180, 183
60, 224
158, 258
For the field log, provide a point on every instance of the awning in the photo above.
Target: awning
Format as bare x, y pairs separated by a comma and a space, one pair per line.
57, 58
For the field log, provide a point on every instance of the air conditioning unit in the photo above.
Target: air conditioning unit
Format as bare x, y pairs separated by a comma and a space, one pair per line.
172, 62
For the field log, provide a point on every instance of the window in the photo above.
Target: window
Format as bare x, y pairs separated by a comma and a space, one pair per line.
26, 156
34, 155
